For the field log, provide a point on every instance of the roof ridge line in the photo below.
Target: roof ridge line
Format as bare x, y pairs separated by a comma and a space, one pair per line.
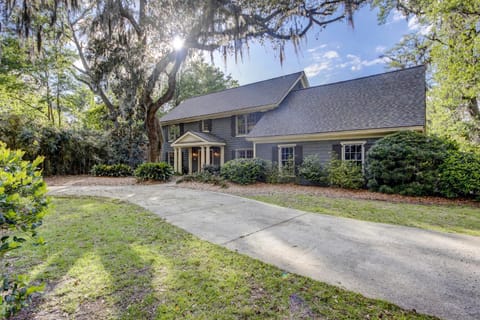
360, 78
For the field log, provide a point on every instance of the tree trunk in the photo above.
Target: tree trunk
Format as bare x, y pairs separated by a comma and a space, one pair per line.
152, 125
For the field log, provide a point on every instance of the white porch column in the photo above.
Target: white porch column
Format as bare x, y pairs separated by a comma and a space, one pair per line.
175, 162
222, 155
202, 158
190, 151
254, 150
207, 156
179, 158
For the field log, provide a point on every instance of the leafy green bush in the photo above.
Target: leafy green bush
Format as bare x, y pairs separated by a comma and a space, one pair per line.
460, 175
114, 170
161, 171
244, 171
312, 170
23, 203
406, 163
204, 177
344, 174
212, 169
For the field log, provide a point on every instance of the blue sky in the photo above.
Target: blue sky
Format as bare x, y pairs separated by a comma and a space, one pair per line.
337, 53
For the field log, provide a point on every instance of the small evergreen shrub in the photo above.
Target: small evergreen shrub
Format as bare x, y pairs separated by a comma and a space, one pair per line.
244, 171
114, 170
312, 170
161, 171
204, 177
212, 169
460, 175
406, 163
344, 174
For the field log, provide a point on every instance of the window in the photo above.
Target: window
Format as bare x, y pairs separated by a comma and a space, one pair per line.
206, 125
173, 132
244, 153
353, 151
286, 159
245, 123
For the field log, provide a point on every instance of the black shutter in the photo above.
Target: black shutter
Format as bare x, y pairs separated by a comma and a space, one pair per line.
200, 129
337, 151
298, 155
209, 125
181, 129
233, 154
233, 125
367, 147
275, 154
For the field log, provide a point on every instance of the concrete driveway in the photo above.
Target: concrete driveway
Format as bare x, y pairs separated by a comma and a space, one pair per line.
431, 272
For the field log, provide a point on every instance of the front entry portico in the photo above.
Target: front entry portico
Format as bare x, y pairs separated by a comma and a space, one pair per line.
202, 148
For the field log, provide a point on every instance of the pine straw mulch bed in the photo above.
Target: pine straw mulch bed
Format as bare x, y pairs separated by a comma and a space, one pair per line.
262, 189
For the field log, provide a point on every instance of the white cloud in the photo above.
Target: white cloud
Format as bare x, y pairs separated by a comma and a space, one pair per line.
380, 49
355, 63
314, 69
320, 47
415, 25
397, 16
331, 54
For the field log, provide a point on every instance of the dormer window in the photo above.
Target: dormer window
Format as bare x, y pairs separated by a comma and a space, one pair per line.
207, 125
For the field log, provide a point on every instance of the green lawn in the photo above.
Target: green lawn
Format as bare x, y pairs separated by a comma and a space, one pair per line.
105, 259
459, 219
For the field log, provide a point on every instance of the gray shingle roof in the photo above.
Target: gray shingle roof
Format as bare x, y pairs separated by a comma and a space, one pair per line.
263, 93
388, 100
207, 136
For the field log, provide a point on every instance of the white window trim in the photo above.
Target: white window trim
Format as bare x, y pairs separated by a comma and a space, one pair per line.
245, 116
243, 149
280, 146
203, 125
362, 143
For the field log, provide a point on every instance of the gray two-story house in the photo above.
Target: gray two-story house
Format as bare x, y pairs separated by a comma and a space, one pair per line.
283, 120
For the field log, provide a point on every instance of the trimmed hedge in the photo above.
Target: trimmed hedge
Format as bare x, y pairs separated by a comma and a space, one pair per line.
460, 175
161, 171
244, 171
345, 174
406, 163
114, 170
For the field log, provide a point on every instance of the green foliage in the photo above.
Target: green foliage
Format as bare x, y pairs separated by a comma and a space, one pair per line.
344, 174
154, 171
312, 170
448, 44
244, 171
460, 175
211, 169
114, 170
204, 177
406, 163
23, 204
66, 151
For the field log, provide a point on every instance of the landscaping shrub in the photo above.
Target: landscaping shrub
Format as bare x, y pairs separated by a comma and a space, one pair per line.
244, 171
460, 175
161, 171
114, 170
312, 170
406, 163
212, 169
204, 177
23, 204
344, 174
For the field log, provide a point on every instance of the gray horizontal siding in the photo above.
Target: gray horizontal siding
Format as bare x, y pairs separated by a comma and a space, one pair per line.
321, 148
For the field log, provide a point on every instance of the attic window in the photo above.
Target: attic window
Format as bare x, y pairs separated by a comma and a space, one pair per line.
245, 123
173, 132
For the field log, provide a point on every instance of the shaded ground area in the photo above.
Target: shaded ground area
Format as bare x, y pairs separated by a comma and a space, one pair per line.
106, 259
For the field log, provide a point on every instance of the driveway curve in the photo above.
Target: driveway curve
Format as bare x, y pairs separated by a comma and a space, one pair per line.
432, 272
